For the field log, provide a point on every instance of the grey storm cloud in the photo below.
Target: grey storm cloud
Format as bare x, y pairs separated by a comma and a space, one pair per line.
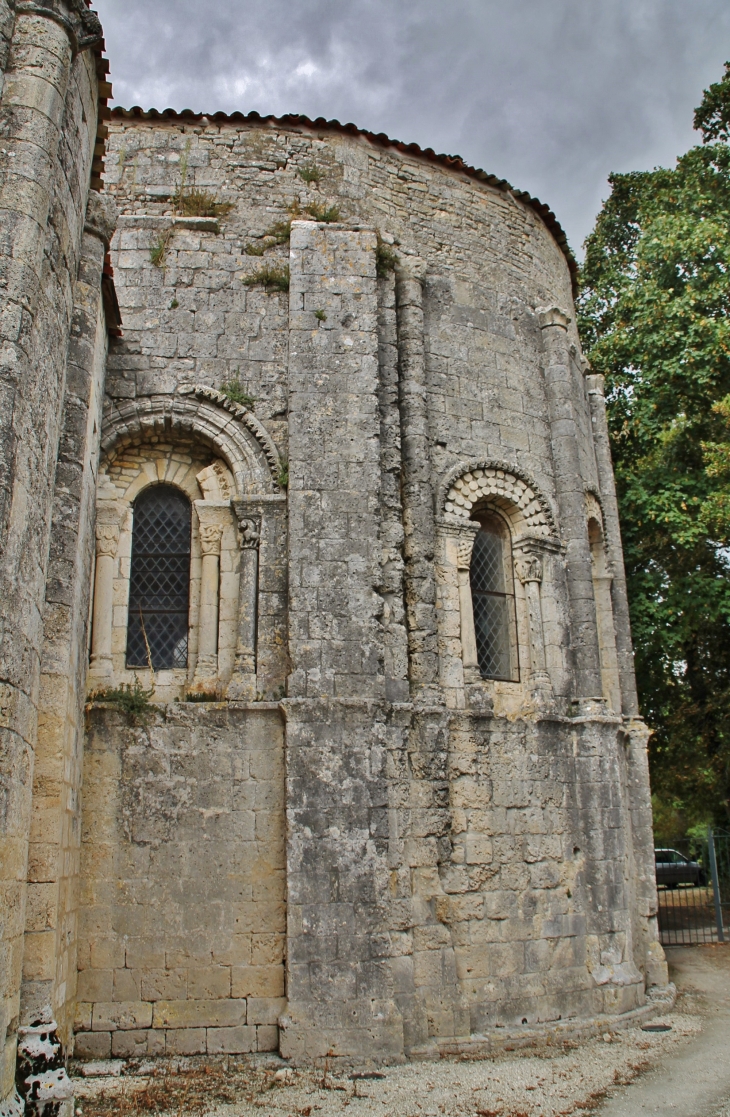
550, 94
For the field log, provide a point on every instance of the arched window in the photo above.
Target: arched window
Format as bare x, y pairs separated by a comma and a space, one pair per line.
493, 598
159, 580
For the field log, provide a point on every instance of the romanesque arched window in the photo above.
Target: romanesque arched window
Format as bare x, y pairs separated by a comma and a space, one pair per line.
159, 584
493, 598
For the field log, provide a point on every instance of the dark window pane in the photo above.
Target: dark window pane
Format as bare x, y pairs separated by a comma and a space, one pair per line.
160, 579
487, 563
492, 605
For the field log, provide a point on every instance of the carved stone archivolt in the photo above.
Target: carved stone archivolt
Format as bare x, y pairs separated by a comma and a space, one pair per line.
472, 482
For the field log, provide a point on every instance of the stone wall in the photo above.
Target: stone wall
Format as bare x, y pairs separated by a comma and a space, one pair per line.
48, 112
183, 922
461, 854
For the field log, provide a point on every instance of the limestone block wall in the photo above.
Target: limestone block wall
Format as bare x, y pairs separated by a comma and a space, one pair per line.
183, 917
48, 112
461, 853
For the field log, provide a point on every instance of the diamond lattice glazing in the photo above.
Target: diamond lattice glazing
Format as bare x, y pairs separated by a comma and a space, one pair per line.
491, 605
159, 580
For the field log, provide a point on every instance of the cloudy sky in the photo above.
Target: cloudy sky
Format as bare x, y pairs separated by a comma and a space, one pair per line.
550, 94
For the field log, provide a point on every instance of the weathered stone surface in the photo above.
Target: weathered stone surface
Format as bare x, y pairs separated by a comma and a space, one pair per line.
351, 842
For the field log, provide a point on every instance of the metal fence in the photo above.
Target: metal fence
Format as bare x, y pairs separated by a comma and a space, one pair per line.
698, 913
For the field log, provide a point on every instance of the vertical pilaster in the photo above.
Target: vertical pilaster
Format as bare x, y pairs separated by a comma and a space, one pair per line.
33, 338
391, 516
51, 928
619, 597
561, 390
339, 975
417, 493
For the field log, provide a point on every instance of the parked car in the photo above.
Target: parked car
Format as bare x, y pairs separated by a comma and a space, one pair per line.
673, 868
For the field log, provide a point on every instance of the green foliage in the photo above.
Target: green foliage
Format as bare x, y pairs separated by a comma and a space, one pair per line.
201, 696
320, 316
283, 475
654, 319
271, 279
310, 172
199, 203
234, 390
132, 700
255, 249
321, 212
278, 233
158, 251
386, 259
712, 118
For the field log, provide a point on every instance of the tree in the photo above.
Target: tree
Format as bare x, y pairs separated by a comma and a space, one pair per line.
655, 319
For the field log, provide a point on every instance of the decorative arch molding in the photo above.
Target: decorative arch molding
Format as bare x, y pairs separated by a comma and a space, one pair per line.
235, 435
595, 511
471, 481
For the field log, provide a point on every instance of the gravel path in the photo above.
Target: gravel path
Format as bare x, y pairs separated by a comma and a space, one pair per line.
589, 1078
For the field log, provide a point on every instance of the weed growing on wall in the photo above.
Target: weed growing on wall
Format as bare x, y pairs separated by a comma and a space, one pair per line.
132, 700
158, 251
271, 279
234, 390
321, 212
386, 259
199, 203
310, 172
283, 475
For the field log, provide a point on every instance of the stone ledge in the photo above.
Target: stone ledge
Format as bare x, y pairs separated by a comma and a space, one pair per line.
153, 221
497, 1041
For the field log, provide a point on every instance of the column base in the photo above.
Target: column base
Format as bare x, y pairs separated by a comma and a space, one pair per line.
101, 670
205, 679
242, 688
539, 698
589, 708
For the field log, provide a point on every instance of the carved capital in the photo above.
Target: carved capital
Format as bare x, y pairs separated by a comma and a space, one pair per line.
249, 528
464, 550
552, 316
528, 568
107, 539
82, 26
101, 216
210, 538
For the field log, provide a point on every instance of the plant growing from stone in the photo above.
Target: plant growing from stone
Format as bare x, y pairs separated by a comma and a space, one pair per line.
386, 259
158, 251
234, 390
271, 279
310, 172
132, 699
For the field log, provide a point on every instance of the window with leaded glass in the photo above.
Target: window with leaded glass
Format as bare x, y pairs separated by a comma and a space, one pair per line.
159, 583
492, 593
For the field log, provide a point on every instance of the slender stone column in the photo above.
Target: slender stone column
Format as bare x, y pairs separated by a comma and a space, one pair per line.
619, 597
211, 533
418, 519
528, 567
109, 516
469, 656
243, 681
562, 389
